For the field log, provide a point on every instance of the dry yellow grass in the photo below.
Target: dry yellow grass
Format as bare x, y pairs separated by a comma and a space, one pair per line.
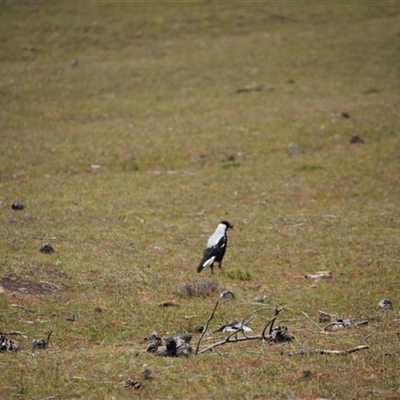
127, 161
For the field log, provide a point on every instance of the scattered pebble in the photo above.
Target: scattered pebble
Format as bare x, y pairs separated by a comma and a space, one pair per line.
17, 205
147, 374
199, 328
344, 114
339, 324
47, 248
130, 383
41, 344
171, 303
227, 295
260, 298
281, 334
385, 304
154, 342
324, 317
7, 345
174, 346
74, 63
356, 139
230, 158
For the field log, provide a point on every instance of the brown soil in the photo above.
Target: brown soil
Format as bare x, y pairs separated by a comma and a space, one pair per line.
28, 287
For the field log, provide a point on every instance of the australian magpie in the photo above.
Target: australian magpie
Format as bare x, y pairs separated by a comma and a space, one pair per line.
216, 247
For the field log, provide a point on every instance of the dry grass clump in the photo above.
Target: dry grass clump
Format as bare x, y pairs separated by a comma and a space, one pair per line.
198, 288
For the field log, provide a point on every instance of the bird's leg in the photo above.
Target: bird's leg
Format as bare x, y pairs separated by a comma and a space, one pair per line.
220, 266
212, 270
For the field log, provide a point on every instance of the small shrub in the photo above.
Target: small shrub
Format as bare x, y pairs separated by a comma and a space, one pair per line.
202, 288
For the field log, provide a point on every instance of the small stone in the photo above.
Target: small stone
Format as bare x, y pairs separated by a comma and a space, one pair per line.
324, 317
385, 304
281, 334
199, 328
344, 114
260, 298
47, 248
17, 205
130, 383
41, 344
339, 324
356, 139
147, 374
154, 342
7, 345
227, 295
74, 63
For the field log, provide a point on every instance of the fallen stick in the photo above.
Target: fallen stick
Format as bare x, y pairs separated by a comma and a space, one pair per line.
14, 333
24, 308
325, 351
206, 327
230, 339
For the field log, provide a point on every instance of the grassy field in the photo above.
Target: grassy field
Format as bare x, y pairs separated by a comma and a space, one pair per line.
178, 116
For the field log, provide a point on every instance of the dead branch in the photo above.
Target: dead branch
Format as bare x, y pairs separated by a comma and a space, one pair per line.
230, 340
250, 316
325, 351
232, 337
206, 327
14, 333
319, 328
24, 308
271, 322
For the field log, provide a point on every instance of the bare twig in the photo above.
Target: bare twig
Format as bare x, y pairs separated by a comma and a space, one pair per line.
24, 308
232, 338
14, 333
206, 327
271, 322
325, 351
250, 316
48, 337
319, 328
229, 340
51, 285
29, 353
44, 237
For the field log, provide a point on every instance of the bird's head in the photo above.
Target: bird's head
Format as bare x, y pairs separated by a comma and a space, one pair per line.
227, 224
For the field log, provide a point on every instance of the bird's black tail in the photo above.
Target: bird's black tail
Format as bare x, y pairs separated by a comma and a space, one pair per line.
200, 267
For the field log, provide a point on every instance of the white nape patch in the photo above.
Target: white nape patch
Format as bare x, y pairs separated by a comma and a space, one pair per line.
216, 236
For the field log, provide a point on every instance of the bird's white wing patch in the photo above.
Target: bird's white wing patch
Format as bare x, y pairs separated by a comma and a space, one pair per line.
209, 262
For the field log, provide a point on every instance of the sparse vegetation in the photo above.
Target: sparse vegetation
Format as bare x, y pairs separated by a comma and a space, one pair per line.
128, 130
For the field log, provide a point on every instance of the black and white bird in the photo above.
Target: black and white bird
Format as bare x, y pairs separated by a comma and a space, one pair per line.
216, 247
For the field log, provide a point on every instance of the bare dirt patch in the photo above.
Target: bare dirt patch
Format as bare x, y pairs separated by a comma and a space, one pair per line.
28, 287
